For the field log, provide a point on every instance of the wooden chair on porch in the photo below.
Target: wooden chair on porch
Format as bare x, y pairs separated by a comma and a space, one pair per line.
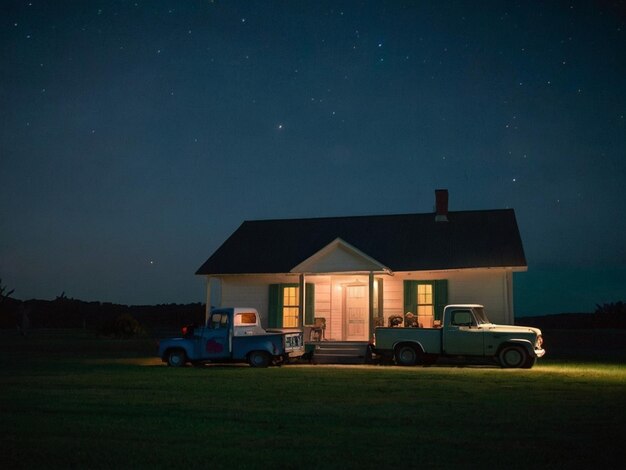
318, 330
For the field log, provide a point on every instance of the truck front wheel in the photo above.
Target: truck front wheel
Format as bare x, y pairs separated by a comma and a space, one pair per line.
530, 362
512, 357
406, 355
259, 359
176, 358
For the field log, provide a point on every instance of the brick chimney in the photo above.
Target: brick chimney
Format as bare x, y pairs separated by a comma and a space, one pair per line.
441, 205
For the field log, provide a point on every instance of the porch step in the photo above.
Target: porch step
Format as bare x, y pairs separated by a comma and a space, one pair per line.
334, 352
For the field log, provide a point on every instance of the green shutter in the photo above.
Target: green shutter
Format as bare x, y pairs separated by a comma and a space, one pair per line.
410, 297
441, 297
309, 304
275, 309
440, 291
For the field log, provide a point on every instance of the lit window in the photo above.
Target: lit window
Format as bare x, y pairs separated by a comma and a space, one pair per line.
291, 306
425, 299
248, 318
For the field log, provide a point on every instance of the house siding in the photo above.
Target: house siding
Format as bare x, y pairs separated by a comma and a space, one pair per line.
486, 288
323, 298
393, 297
489, 287
251, 291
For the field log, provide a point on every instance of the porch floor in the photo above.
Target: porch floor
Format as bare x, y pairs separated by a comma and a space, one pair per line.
340, 352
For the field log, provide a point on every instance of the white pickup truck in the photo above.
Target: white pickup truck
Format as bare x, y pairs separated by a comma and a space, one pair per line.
465, 333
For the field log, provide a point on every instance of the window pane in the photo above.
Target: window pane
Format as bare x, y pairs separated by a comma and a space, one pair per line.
290, 317
291, 303
246, 318
290, 296
425, 310
425, 299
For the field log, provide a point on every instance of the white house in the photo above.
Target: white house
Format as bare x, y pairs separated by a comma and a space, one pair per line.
352, 274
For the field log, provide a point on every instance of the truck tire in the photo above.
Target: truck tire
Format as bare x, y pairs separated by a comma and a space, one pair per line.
259, 359
176, 358
407, 355
513, 357
530, 362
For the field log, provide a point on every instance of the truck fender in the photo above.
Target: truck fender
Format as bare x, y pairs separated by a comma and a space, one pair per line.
266, 346
412, 343
172, 349
271, 349
408, 353
259, 358
519, 342
182, 344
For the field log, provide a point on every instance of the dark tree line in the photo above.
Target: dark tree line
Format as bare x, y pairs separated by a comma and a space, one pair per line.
64, 312
607, 315
610, 315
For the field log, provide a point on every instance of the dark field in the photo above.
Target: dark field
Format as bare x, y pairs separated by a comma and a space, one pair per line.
71, 400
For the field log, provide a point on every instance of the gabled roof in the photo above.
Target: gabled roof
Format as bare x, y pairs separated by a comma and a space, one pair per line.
408, 242
339, 254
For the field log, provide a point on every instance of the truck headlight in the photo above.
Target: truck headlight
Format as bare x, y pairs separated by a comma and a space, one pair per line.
539, 342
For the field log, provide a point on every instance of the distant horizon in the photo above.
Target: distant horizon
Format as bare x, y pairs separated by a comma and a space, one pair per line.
203, 302
539, 291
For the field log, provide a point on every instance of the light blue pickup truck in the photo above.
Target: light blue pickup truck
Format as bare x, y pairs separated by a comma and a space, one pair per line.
232, 335
465, 334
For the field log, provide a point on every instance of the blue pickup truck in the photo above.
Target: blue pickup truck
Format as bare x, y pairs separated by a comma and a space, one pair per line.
232, 335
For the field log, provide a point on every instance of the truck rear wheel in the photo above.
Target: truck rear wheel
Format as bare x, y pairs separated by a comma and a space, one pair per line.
512, 357
176, 358
407, 355
259, 359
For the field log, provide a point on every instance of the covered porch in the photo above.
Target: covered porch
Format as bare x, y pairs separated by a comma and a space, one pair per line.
348, 300
334, 295
346, 307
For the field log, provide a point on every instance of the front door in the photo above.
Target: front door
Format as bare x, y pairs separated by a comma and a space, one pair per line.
356, 313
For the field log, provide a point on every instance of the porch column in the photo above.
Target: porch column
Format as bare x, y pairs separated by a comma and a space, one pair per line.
207, 310
508, 298
301, 301
371, 304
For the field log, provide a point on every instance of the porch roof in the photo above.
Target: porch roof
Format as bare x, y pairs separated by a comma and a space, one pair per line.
407, 242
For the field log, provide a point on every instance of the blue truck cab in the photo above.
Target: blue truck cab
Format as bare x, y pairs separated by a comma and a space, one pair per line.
232, 335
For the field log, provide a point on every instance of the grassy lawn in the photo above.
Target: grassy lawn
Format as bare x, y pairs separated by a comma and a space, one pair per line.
71, 400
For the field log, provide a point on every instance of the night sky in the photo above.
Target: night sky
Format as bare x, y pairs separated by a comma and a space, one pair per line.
136, 136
